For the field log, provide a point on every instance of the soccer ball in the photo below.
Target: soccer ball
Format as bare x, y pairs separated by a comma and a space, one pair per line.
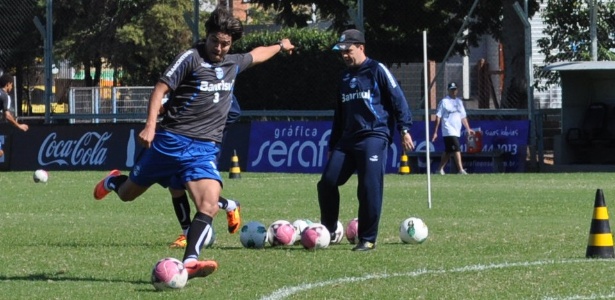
316, 236
210, 238
253, 235
40, 175
300, 225
338, 235
169, 273
352, 231
281, 233
413, 231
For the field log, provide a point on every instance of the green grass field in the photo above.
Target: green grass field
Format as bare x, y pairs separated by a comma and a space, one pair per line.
492, 236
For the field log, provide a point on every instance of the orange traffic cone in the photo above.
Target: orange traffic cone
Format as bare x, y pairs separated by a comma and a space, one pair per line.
600, 244
235, 172
404, 167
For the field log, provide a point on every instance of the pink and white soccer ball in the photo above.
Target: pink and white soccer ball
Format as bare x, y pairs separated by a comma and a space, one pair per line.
316, 236
300, 225
281, 233
40, 175
169, 273
352, 231
338, 234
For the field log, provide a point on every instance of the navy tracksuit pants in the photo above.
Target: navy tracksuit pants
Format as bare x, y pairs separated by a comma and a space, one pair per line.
367, 157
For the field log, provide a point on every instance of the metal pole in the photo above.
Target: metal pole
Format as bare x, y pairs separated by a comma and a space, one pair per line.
195, 23
48, 61
593, 30
427, 142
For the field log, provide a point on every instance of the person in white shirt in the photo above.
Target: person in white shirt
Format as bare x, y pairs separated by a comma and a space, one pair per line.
452, 115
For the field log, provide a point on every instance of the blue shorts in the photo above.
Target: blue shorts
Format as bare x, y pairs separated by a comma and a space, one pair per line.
174, 160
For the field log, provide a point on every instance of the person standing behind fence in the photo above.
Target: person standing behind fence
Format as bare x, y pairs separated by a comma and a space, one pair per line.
6, 86
370, 107
200, 81
452, 115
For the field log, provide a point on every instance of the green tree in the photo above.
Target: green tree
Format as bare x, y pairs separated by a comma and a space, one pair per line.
568, 35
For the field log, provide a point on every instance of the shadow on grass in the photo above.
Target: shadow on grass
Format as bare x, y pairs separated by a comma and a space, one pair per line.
59, 276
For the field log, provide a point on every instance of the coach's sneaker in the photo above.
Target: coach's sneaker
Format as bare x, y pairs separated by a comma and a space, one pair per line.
364, 246
463, 172
442, 172
101, 189
200, 268
233, 218
180, 242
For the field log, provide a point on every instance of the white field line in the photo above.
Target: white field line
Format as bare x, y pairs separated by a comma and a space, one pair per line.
289, 291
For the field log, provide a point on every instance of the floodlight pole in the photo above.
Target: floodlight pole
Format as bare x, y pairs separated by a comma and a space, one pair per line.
48, 60
427, 148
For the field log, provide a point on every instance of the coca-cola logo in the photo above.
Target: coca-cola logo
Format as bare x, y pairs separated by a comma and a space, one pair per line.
88, 150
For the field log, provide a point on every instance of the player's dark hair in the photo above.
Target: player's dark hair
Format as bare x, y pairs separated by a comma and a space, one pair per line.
5, 79
222, 20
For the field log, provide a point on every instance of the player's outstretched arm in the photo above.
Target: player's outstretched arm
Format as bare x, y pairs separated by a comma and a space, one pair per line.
264, 53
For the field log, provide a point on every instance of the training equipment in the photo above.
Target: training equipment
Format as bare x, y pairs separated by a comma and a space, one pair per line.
40, 176
338, 234
600, 242
316, 236
413, 231
300, 225
352, 231
169, 273
235, 171
281, 233
253, 235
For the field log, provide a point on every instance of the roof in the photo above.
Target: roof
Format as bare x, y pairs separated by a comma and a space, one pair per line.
580, 66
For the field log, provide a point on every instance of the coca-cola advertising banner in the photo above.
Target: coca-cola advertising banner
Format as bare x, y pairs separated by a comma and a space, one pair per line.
73, 147
302, 146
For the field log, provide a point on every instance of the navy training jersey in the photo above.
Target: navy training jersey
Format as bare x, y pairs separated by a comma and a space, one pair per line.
370, 103
201, 93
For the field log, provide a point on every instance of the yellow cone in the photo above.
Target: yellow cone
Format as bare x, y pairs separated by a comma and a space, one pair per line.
235, 172
404, 167
600, 243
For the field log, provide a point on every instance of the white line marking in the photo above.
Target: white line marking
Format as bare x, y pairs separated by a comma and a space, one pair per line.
289, 291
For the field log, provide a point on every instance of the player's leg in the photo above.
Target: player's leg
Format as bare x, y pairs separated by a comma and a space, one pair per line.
233, 213
181, 206
204, 184
204, 193
338, 170
371, 156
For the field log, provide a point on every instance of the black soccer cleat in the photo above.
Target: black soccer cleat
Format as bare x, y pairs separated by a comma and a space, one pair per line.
364, 246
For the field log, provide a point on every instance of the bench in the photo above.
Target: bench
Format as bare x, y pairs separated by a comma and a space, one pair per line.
497, 159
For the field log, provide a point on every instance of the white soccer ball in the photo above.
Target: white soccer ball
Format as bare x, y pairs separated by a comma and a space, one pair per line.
253, 235
338, 235
281, 233
300, 225
413, 231
352, 231
40, 175
316, 236
169, 273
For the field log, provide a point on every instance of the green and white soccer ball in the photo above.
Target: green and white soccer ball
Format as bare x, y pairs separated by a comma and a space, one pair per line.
413, 231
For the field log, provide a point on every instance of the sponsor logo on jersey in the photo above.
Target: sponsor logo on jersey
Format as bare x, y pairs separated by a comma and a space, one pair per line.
216, 86
178, 62
356, 95
219, 73
353, 83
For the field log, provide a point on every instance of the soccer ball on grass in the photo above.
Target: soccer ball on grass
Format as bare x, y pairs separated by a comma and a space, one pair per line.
169, 273
40, 175
352, 231
281, 233
253, 235
413, 231
316, 236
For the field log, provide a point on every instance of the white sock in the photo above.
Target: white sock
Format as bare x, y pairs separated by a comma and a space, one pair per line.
231, 205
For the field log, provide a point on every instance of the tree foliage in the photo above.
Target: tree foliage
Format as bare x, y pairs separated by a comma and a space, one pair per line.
567, 35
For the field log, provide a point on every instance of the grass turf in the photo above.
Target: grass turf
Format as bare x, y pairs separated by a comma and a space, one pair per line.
492, 236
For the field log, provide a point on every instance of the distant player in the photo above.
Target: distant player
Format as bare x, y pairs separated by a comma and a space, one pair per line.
6, 86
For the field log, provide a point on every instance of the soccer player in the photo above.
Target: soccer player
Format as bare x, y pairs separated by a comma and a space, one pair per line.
200, 82
6, 86
180, 199
370, 103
